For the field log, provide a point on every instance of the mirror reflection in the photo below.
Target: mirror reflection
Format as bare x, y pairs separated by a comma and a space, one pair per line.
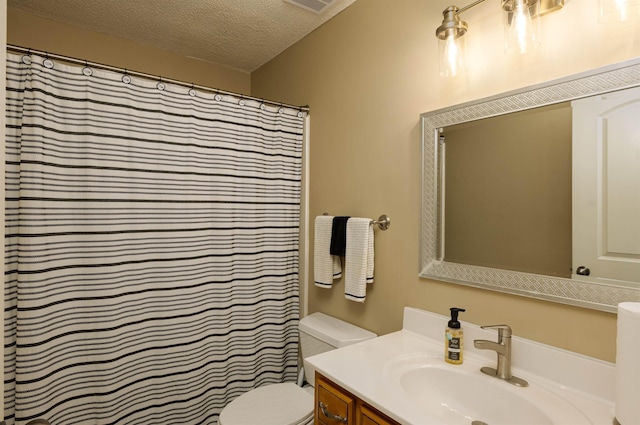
507, 182
508, 190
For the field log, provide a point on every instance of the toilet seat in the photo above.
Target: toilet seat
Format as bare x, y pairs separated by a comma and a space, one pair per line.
276, 404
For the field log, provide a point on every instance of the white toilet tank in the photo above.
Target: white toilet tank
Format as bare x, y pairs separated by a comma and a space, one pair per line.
320, 333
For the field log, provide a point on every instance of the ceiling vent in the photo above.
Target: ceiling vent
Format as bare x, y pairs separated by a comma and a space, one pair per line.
317, 6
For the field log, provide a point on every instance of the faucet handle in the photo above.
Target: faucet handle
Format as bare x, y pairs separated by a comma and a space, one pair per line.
504, 331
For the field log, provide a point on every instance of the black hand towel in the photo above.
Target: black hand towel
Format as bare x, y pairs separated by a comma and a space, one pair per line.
339, 236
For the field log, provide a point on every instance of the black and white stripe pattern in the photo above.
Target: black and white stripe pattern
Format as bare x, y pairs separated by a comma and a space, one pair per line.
151, 248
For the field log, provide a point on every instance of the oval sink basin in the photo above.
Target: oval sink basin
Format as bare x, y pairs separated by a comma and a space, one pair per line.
462, 395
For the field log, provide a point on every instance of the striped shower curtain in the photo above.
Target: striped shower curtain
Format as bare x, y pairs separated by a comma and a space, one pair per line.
151, 247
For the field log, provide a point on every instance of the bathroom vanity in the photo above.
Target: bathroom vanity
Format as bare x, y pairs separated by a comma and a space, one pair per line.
402, 378
335, 405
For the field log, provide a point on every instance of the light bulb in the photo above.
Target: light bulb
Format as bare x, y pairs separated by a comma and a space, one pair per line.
452, 53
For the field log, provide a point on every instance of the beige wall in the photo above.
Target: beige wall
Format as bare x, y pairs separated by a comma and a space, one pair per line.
30, 31
367, 75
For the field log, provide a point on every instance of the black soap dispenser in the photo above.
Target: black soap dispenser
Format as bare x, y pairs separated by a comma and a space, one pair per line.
453, 338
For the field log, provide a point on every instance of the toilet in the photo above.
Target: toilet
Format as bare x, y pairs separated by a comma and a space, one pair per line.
288, 403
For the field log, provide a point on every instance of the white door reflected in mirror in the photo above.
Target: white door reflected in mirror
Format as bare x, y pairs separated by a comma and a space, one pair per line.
606, 184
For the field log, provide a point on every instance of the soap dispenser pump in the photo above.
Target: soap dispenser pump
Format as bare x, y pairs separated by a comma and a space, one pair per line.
453, 338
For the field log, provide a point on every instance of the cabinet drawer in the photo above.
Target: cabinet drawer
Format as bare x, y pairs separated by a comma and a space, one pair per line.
334, 406
368, 416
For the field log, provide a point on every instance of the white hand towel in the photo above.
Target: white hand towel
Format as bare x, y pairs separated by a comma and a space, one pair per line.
358, 259
326, 267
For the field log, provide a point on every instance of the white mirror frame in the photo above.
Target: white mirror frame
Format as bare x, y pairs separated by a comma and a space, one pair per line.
596, 296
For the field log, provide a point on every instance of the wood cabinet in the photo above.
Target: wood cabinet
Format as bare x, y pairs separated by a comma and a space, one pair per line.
336, 406
367, 415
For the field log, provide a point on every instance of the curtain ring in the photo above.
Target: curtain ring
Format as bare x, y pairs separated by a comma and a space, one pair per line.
217, 97
242, 102
86, 70
26, 59
262, 105
48, 63
160, 84
281, 109
192, 91
125, 78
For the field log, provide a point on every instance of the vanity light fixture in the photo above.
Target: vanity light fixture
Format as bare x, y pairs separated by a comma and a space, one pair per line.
521, 23
451, 43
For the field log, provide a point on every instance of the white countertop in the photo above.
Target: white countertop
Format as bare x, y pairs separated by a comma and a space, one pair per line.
586, 383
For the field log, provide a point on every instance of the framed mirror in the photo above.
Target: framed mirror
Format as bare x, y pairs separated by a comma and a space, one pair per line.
443, 242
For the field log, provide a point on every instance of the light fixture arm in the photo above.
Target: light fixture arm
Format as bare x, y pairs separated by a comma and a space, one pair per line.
545, 6
475, 3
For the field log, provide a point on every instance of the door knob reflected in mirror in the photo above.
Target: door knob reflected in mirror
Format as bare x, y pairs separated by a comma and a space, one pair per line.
583, 271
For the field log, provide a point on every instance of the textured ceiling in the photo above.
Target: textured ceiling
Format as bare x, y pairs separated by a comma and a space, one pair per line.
241, 34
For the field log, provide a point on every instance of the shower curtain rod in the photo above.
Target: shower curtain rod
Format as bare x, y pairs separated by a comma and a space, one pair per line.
18, 49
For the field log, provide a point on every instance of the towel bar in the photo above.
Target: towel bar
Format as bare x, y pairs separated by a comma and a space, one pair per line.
383, 222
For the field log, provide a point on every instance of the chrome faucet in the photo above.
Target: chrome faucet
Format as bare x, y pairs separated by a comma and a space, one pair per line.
503, 349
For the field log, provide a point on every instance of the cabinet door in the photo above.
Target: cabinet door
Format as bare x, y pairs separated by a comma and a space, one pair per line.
334, 406
366, 415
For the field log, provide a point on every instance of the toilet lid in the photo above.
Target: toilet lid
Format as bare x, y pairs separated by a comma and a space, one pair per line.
276, 404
